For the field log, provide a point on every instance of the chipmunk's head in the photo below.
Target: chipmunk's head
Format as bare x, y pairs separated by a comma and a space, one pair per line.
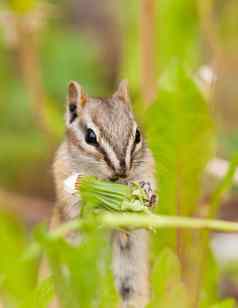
102, 135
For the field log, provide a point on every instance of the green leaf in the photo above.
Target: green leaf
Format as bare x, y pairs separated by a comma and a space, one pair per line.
112, 196
177, 25
40, 296
168, 289
107, 293
228, 303
81, 272
22, 6
209, 280
176, 37
224, 185
13, 268
182, 139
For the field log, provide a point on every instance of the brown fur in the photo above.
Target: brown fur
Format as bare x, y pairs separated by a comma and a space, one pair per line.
115, 129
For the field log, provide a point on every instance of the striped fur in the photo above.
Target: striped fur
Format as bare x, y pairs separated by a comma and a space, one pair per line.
115, 157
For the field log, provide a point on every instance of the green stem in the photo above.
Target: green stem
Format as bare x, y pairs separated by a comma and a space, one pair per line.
152, 221
224, 186
158, 221
73, 225
213, 209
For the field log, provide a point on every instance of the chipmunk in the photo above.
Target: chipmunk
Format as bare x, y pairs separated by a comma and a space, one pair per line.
103, 139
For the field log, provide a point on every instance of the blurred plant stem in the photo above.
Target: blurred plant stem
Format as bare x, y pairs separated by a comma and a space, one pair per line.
213, 209
23, 22
28, 56
206, 11
159, 221
224, 186
150, 221
211, 36
147, 45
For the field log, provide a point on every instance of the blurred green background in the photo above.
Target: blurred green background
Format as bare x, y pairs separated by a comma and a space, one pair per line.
45, 44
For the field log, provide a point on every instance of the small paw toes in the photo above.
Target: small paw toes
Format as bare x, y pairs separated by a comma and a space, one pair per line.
152, 200
150, 194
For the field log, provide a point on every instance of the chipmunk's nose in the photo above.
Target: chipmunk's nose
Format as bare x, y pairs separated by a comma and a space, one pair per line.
121, 173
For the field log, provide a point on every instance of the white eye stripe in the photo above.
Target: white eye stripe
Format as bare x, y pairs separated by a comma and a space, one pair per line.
80, 136
113, 159
130, 146
138, 147
78, 133
104, 144
128, 153
111, 154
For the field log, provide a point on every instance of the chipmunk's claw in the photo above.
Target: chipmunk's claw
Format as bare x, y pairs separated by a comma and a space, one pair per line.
149, 192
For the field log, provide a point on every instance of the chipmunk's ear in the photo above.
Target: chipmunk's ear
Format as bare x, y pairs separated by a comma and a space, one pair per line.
76, 100
122, 91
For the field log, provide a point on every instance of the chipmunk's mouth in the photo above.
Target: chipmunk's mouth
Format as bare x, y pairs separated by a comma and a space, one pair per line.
113, 179
119, 179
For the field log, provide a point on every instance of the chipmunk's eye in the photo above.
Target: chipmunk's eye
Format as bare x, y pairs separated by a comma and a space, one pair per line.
91, 137
137, 137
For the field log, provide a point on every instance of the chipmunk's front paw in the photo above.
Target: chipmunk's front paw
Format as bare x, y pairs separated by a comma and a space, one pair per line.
151, 196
